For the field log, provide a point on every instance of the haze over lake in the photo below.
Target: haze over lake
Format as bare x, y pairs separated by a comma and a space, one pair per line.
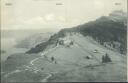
10, 38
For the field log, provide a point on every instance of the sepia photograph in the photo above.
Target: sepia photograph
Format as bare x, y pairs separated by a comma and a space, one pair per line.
63, 41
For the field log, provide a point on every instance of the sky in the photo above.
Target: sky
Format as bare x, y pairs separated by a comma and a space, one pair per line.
54, 14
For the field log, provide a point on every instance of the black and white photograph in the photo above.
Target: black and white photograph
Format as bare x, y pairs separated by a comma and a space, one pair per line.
63, 41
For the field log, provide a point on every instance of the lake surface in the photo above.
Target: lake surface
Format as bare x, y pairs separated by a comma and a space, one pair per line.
8, 45
9, 38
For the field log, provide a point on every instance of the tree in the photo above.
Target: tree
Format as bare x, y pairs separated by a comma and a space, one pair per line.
71, 43
103, 59
52, 58
87, 57
106, 58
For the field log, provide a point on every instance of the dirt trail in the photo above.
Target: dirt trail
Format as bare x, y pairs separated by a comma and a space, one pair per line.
15, 71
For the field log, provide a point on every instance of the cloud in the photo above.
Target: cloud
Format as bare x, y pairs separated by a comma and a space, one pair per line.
39, 22
49, 17
35, 20
52, 18
61, 18
98, 4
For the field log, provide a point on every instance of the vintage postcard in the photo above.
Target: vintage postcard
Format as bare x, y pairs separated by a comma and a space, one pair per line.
63, 41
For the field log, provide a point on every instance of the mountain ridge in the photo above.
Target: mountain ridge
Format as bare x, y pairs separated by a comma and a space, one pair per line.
104, 30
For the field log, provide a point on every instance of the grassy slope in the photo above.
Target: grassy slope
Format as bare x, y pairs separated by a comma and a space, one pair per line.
72, 64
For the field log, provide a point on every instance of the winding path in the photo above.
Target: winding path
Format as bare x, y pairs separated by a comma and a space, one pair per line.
15, 71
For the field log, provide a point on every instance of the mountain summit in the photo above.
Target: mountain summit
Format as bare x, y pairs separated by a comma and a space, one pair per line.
118, 16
